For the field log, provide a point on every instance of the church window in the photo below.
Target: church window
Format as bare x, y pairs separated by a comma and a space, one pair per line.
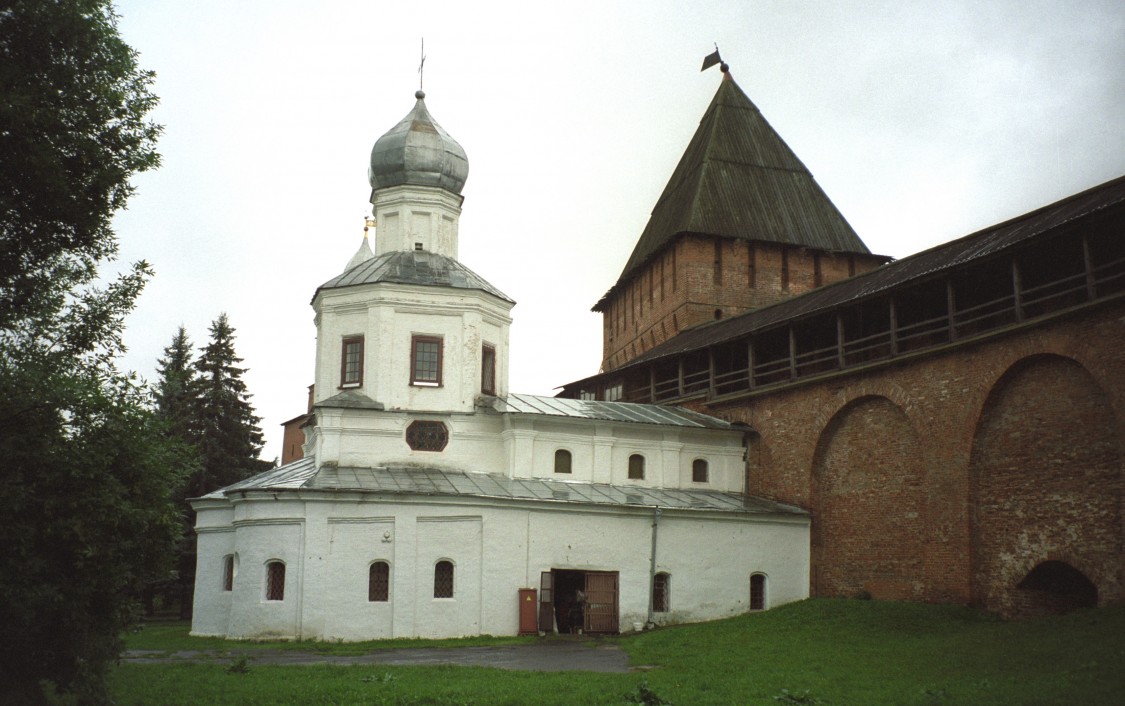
275, 581
379, 582
699, 471
427, 436
661, 592
818, 275
425, 361
443, 579
488, 370
637, 467
613, 392
562, 461
784, 270
228, 572
351, 362
758, 592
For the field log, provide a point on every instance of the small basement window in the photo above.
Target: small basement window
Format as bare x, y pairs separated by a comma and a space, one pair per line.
661, 588
275, 581
379, 582
228, 572
443, 579
757, 592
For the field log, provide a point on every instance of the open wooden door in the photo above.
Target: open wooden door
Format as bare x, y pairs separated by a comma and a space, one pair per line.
601, 602
546, 602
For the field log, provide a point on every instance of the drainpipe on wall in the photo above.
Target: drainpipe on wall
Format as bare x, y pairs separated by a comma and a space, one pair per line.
649, 624
747, 430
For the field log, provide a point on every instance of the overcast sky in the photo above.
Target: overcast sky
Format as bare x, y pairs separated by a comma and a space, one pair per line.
922, 121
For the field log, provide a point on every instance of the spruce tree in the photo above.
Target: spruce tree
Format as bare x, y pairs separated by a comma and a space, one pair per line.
177, 389
230, 439
176, 394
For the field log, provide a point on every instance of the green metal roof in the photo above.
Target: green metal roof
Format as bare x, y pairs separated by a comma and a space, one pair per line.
738, 179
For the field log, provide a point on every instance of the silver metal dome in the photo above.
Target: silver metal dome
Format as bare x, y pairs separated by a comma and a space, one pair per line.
418, 151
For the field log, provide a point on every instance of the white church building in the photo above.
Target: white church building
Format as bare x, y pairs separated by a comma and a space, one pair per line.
433, 502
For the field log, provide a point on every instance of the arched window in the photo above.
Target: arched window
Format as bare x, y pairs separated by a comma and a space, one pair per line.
661, 592
562, 461
698, 471
637, 467
228, 572
379, 582
275, 581
443, 579
757, 592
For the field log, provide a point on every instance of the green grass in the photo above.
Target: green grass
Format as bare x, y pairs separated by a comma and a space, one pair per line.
817, 652
172, 636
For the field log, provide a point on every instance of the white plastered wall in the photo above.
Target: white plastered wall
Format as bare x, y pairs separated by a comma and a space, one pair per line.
497, 548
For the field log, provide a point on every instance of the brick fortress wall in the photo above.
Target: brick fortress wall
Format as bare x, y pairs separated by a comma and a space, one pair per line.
953, 476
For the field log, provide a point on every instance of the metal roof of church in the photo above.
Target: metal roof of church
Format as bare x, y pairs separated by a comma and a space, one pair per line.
414, 267
608, 411
738, 179
303, 474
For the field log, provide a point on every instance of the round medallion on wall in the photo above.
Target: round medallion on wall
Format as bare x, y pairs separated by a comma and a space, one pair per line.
427, 436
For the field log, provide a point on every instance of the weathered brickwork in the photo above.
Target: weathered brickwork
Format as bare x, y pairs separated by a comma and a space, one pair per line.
1044, 466
868, 487
952, 476
700, 278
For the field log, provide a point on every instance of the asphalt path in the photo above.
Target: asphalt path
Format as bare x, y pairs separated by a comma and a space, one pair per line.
546, 656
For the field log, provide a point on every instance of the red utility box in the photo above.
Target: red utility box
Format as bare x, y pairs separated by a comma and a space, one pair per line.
528, 611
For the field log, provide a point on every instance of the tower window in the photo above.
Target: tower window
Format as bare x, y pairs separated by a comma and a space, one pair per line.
562, 461
488, 370
637, 467
427, 436
699, 471
425, 361
351, 362
417, 246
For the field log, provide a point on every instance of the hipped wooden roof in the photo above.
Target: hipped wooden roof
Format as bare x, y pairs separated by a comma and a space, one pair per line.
738, 179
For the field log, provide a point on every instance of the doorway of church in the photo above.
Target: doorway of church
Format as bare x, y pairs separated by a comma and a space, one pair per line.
578, 602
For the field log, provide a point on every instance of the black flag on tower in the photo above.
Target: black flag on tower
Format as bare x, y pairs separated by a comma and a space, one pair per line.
711, 59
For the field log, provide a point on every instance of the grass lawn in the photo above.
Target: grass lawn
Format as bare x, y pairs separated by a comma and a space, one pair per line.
815, 652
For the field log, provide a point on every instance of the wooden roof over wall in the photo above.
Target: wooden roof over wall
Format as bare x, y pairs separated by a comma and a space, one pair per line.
738, 179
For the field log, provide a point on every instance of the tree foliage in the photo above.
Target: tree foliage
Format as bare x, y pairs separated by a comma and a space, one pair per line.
72, 131
87, 471
229, 438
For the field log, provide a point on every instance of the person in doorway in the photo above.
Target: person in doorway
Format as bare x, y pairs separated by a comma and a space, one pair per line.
578, 612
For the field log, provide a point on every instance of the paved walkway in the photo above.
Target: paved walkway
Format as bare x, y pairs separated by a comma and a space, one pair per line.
545, 656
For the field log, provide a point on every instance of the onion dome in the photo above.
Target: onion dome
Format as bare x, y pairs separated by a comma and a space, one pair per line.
418, 151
